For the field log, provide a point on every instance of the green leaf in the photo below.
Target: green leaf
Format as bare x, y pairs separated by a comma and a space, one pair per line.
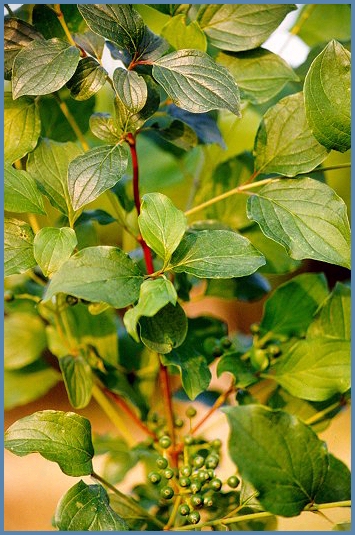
194, 371
179, 134
248, 288
333, 319
17, 35
284, 143
61, 437
196, 83
260, 74
52, 247
53, 63
182, 34
131, 88
94, 172
162, 224
305, 292
337, 484
279, 455
327, 97
21, 193
24, 340
18, 246
323, 22
342, 526
305, 216
153, 296
102, 273
216, 254
78, 380
117, 382
241, 370
315, 368
48, 165
119, 23
239, 27
47, 22
164, 331
93, 44
22, 127
87, 508
103, 126
88, 78
27, 384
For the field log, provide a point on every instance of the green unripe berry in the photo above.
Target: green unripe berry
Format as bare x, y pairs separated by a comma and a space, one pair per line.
166, 492
198, 461
210, 473
168, 473
188, 440
195, 486
190, 412
255, 328
178, 422
233, 482
196, 500
274, 350
226, 342
165, 442
212, 461
216, 484
216, 444
185, 471
184, 481
161, 462
259, 359
203, 475
184, 509
208, 501
154, 477
194, 517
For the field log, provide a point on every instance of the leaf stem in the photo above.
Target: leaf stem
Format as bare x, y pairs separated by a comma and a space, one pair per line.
123, 405
71, 120
166, 391
320, 415
127, 499
113, 415
60, 16
11, 13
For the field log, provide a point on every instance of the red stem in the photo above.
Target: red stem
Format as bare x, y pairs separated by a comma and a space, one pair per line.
122, 404
131, 140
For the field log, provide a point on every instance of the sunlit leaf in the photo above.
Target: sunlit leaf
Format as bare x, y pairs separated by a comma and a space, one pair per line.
52, 247
21, 193
22, 127
18, 246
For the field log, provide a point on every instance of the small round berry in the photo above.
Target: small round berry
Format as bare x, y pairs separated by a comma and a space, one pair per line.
184, 481
233, 482
179, 422
216, 484
165, 442
216, 444
208, 501
194, 517
188, 440
9, 296
191, 412
255, 328
210, 473
196, 500
71, 300
161, 462
154, 477
185, 471
195, 486
212, 461
198, 461
226, 342
203, 475
166, 492
274, 350
168, 473
184, 509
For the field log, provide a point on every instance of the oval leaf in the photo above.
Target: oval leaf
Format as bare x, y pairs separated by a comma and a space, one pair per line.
18, 247
241, 26
22, 126
164, 331
260, 74
78, 380
21, 193
290, 474
181, 34
130, 88
24, 340
94, 172
17, 35
154, 295
162, 225
196, 83
327, 97
61, 437
284, 143
216, 254
52, 247
52, 62
98, 274
87, 508
103, 126
28, 384
88, 78
306, 217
